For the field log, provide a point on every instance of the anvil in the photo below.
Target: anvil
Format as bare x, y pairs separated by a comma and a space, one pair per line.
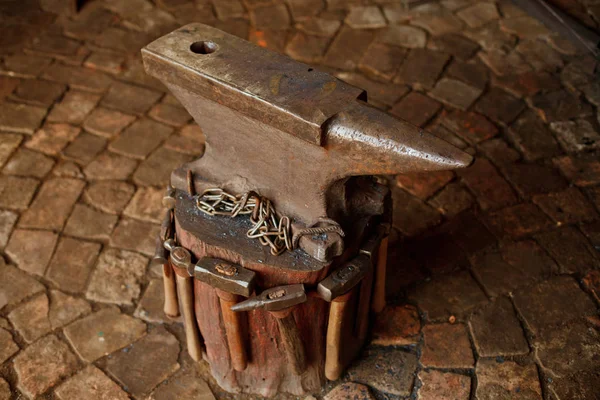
282, 128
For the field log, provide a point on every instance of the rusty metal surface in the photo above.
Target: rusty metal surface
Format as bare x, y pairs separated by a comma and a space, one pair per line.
275, 127
225, 276
343, 279
274, 299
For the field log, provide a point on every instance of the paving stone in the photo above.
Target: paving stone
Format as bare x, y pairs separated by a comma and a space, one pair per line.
302, 9
229, 9
103, 332
65, 309
130, 99
15, 285
552, 304
107, 123
187, 383
530, 179
404, 36
397, 326
436, 385
422, 67
306, 48
117, 277
592, 283
68, 169
54, 45
9, 142
518, 221
592, 231
379, 92
8, 347
52, 204
109, 196
270, 17
38, 92
386, 369
77, 77
499, 106
110, 166
592, 93
8, 219
84, 148
31, 250
51, 139
533, 138
570, 249
90, 22
156, 169
498, 151
416, 108
28, 163
502, 63
269, 39
490, 189
455, 93
527, 83
411, 216
497, 331
21, 118
7, 85
470, 233
349, 390
382, 60
170, 114
439, 23
30, 319
455, 44
424, 184
24, 66
452, 200
90, 382
318, 26
15, 192
579, 386
87, 223
347, 49
452, 294
72, 263
540, 55
470, 126
123, 40
140, 139
147, 362
582, 171
135, 235
524, 27
479, 14
491, 38
559, 105
73, 107
473, 73
507, 379
577, 135
146, 205
365, 17
42, 365
568, 206
446, 346
237, 27
150, 308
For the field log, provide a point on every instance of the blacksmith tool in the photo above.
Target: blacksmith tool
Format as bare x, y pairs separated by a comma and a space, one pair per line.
161, 257
280, 302
181, 260
230, 282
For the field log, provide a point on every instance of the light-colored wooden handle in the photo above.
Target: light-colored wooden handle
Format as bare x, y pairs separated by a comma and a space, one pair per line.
171, 307
290, 338
234, 332
334, 364
185, 292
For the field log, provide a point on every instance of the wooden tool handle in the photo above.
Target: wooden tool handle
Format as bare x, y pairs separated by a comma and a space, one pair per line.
185, 292
171, 307
292, 343
378, 303
233, 330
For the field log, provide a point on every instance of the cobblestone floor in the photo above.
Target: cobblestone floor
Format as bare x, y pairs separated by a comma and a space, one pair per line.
494, 282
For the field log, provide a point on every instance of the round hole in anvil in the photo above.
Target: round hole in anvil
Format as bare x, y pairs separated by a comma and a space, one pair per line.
203, 47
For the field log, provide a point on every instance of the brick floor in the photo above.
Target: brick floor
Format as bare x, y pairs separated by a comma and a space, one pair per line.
493, 272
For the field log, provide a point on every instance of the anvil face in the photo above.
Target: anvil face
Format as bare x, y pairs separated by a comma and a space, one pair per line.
280, 128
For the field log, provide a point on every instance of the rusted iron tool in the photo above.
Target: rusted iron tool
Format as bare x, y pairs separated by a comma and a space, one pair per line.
181, 260
230, 283
280, 302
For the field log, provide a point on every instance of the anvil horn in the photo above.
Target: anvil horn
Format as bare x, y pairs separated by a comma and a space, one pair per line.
279, 127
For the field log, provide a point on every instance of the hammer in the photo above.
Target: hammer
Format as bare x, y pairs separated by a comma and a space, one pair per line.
279, 126
230, 282
280, 302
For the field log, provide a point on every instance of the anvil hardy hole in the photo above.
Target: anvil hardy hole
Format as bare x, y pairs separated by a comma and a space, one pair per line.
203, 47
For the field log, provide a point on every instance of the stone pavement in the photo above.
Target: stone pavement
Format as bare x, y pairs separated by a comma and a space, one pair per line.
494, 278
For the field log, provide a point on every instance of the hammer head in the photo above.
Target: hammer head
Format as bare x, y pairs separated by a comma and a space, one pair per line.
274, 299
280, 127
225, 276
